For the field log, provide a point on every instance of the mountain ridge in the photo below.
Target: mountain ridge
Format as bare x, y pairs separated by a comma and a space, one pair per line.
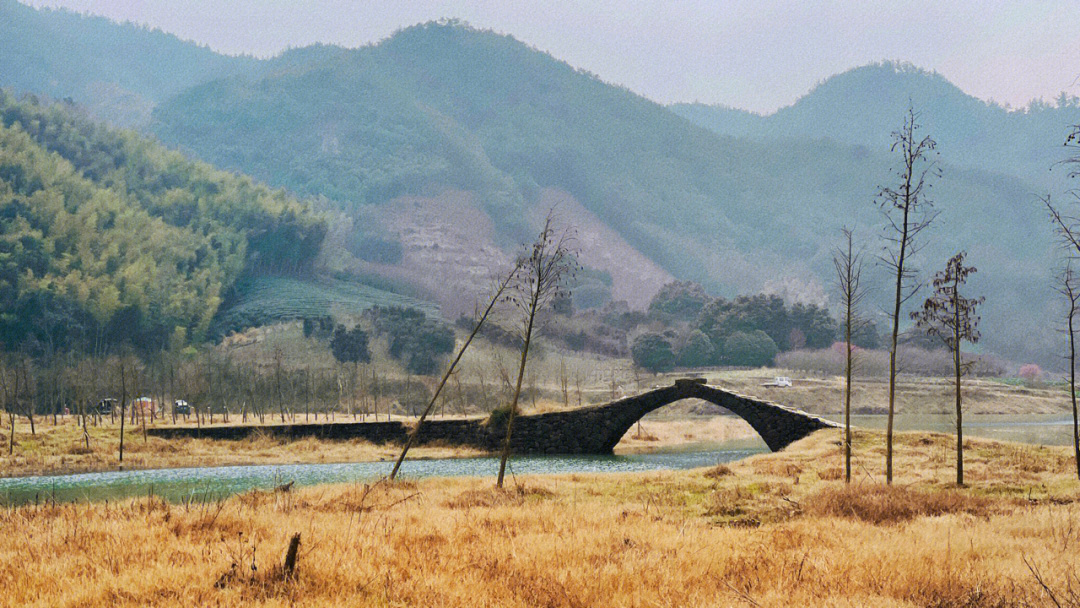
441, 108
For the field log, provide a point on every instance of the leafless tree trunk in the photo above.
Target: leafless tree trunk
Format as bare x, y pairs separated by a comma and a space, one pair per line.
541, 280
848, 264
31, 389
11, 399
496, 297
123, 404
564, 383
910, 201
1069, 286
375, 394
277, 382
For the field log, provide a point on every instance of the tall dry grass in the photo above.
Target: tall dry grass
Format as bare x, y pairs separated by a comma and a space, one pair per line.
768, 531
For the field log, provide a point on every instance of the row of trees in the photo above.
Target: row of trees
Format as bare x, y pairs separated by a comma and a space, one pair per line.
217, 387
947, 314
689, 328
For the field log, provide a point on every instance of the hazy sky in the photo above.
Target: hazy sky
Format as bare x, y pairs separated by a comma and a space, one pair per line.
757, 55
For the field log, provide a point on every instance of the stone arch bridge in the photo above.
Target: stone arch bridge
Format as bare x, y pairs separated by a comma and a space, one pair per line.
589, 430
596, 429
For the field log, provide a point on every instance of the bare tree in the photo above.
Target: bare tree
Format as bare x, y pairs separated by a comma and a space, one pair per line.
848, 263
564, 383
1069, 286
497, 294
123, 404
11, 399
908, 211
542, 279
1068, 231
951, 317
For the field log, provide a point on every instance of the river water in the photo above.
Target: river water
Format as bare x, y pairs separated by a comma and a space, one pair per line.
210, 483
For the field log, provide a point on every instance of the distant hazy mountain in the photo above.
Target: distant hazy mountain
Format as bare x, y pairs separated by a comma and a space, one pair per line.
118, 71
865, 105
441, 145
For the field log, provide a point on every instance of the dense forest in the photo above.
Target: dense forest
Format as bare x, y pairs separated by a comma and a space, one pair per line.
107, 237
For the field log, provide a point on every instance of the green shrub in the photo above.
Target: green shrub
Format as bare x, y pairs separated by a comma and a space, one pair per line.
499, 417
753, 349
653, 352
696, 351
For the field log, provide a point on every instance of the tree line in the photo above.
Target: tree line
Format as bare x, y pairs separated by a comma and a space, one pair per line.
686, 327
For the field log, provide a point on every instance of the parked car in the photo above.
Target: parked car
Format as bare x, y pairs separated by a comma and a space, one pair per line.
105, 407
181, 408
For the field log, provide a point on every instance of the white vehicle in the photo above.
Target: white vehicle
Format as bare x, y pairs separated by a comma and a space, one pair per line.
779, 382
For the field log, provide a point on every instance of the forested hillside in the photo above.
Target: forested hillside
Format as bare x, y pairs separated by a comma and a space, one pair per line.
107, 237
444, 105
447, 122
118, 71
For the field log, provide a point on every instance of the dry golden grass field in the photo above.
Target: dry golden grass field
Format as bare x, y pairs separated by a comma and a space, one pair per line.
773, 530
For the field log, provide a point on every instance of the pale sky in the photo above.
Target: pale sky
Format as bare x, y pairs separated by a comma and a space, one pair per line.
756, 55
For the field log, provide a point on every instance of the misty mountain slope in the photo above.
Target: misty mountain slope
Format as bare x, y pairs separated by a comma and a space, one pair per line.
119, 71
444, 106
450, 118
863, 106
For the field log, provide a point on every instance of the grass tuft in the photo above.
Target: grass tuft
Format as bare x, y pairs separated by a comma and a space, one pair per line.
882, 504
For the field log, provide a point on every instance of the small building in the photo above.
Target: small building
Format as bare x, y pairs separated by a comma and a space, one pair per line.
145, 404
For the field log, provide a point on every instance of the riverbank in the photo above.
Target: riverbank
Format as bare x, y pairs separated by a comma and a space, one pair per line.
62, 449
772, 530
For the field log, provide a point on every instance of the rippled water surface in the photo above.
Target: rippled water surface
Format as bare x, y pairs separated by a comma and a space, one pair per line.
215, 482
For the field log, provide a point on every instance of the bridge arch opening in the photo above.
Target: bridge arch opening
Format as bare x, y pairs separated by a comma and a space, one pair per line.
690, 423
777, 425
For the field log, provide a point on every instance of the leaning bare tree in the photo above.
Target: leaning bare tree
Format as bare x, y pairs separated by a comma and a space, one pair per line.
951, 317
497, 294
542, 279
908, 210
848, 264
1069, 286
1068, 230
